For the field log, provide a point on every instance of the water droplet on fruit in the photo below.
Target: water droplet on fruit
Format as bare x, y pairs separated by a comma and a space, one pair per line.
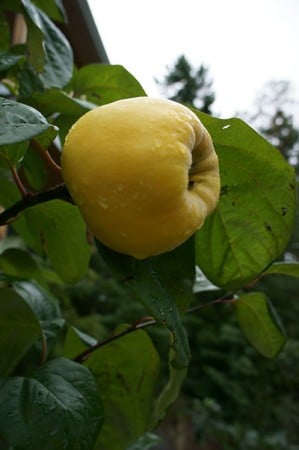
102, 202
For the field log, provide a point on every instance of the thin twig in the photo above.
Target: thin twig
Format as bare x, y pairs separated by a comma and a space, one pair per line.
17, 179
58, 192
45, 155
144, 322
222, 299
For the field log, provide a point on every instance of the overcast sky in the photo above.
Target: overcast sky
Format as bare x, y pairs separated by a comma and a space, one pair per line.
245, 43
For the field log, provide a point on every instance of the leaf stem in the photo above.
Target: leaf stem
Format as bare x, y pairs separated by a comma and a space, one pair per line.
58, 192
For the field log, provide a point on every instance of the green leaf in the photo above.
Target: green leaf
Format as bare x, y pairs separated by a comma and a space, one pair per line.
19, 264
146, 442
35, 170
45, 307
254, 218
76, 342
61, 231
14, 153
5, 32
105, 83
8, 60
176, 273
168, 395
56, 71
143, 279
20, 122
259, 323
56, 101
283, 268
52, 8
19, 330
57, 408
126, 372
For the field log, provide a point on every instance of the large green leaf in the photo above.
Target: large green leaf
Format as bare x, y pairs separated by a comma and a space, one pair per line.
126, 372
61, 232
57, 408
19, 263
20, 122
259, 323
154, 293
45, 308
48, 42
255, 215
105, 83
19, 329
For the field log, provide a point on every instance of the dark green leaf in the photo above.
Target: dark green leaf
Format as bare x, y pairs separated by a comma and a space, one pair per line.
176, 272
8, 60
57, 68
19, 264
19, 329
35, 38
105, 83
19, 122
255, 215
14, 153
126, 372
283, 268
52, 8
61, 231
57, 408
259, 324
29, 82
5, 32
45, 307
143, 279
146, 442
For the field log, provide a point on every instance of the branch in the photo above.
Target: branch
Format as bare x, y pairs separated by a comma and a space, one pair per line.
58, 192
145, 322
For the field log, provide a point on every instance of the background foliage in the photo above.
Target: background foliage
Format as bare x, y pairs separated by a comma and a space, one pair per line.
95, 347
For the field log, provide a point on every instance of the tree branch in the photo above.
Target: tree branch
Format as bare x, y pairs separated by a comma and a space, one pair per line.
58, 192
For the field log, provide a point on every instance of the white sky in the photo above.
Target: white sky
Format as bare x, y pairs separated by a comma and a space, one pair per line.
245, 43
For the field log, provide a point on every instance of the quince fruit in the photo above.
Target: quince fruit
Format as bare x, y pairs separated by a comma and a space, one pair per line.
143, 172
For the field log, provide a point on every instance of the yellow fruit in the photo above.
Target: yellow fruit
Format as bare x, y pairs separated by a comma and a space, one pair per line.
143, 172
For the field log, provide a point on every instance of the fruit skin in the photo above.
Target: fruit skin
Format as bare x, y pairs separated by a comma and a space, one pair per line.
143, 172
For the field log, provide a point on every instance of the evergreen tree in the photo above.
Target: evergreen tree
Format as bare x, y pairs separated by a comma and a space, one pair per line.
275, 121
186, 84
